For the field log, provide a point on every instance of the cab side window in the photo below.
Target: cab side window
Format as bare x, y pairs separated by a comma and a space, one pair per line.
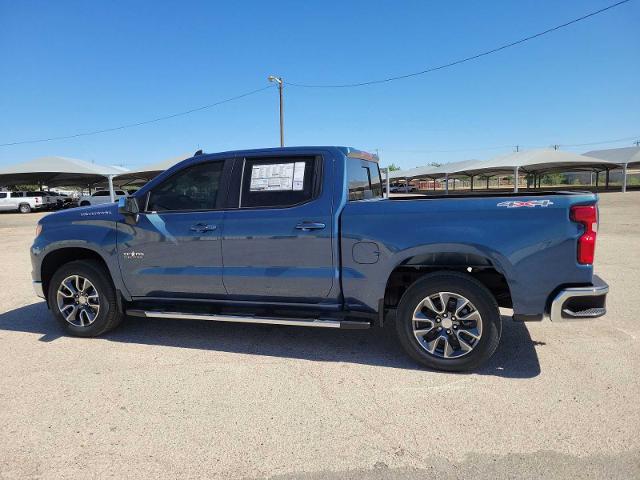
363, 178
194, 188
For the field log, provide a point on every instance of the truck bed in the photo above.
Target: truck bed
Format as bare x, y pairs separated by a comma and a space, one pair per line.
483, 194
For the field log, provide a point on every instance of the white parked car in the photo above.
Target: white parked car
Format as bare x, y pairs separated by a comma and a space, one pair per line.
100, 197
24, 202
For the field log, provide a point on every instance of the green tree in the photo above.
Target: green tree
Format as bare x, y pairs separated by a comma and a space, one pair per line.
393, 167
23, 187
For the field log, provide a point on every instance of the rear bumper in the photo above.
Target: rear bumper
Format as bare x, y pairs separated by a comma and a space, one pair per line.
580, 303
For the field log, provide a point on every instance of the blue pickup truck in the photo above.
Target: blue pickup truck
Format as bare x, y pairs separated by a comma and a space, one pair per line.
304, 236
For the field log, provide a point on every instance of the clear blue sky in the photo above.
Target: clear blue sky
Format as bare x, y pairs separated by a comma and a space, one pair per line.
74, 66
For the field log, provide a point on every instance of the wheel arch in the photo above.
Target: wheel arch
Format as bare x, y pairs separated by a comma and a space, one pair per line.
487, 269
56, 258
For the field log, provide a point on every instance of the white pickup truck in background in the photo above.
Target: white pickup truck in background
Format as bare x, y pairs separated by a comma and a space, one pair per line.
25, 202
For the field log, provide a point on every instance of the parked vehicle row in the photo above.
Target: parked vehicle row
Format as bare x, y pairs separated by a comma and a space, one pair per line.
38, 200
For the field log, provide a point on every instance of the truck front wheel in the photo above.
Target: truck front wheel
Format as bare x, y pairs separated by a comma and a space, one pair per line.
449, 321
83, 299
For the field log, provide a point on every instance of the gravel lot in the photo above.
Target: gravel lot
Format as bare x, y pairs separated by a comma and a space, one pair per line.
183, 399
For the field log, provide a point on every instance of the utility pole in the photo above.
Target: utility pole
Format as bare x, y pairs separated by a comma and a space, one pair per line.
517, 148
280, 83
637, 143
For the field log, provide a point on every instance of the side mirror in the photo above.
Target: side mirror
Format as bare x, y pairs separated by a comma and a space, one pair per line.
128, 206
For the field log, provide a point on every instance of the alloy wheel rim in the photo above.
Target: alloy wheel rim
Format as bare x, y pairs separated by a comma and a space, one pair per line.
78, 301
447, 325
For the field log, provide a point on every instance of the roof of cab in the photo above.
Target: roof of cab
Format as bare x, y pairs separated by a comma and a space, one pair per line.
347, 151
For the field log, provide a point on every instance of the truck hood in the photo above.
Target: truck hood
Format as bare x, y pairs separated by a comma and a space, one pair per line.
92, 213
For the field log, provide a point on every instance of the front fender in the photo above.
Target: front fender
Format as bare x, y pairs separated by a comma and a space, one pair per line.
97, 236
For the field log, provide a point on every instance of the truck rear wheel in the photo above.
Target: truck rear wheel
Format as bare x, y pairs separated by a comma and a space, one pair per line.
449, 321
83, 299
24, 208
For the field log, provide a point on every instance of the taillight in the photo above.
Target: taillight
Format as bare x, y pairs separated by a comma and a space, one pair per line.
587, 215
37, 199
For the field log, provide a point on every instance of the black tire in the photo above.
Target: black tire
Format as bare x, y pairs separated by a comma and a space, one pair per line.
24, 208
85, 203
466, 286
108, 317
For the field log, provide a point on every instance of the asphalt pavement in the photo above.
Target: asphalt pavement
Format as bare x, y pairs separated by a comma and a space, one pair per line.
188, 399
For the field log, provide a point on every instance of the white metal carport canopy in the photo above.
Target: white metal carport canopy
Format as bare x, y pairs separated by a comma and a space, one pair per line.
59, 171
433, 172
628, 157
537, 162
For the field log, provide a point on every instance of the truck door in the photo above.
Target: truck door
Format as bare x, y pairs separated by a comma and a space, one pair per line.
5, 201
279, 241
173, 249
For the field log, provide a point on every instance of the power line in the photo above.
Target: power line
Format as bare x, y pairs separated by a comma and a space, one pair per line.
599, 143
137, 124
463, 60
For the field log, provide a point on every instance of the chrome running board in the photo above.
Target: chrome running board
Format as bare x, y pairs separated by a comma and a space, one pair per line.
297, 322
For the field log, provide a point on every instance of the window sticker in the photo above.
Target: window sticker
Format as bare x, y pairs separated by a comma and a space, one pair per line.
277, 177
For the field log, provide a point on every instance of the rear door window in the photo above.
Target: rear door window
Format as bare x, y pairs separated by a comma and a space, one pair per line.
279, 182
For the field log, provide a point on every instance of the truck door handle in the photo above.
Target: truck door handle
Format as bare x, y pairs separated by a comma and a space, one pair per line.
201, 227
308, 226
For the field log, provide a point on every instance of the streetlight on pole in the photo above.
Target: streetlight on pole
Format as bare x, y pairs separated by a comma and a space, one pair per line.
280, 83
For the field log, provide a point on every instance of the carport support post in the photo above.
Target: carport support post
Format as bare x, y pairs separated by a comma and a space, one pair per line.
606, 180
471, 177
387, 181
446, 183
515, 179
406, 185
112, 193
597, 179
624, 178
488, 182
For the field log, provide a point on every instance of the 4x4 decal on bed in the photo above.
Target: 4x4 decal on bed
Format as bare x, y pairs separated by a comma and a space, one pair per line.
529, 203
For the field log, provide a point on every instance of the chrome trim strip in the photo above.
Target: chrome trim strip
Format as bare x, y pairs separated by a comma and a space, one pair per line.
238, 319
598, 289
37, 288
